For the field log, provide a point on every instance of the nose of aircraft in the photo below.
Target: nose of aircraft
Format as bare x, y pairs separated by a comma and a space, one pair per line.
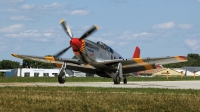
75, 43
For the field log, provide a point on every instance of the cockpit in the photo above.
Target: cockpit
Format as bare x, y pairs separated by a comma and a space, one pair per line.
104, 46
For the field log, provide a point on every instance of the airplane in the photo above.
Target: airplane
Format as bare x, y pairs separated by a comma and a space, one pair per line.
100, 59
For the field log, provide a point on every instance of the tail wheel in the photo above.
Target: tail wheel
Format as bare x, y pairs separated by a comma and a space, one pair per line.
116, 79
61, 77
125, 81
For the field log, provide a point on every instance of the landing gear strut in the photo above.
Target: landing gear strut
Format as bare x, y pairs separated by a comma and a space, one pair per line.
61, 76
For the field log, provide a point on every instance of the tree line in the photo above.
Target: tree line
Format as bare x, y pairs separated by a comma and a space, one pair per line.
9, 64
193, 60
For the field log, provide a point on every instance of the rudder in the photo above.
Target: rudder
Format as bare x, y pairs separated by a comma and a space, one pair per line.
136, 52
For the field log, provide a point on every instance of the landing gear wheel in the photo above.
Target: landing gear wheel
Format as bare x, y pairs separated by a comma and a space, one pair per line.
116, 79
61, 77
125, 81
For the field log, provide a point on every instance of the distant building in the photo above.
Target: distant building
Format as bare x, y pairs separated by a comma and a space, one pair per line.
34, 72
7, 72
25, 72
190, 71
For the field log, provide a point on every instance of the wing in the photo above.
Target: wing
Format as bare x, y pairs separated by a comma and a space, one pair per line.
140, 64
72, 64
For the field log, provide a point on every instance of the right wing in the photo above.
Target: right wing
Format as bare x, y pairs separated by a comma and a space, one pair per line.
140, 64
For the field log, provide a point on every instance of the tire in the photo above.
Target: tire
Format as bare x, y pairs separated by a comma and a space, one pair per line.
61, 77
116, 78
125, 81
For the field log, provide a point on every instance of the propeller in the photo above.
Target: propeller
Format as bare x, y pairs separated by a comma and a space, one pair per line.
61, 52
90, 31
66, 28
74, 40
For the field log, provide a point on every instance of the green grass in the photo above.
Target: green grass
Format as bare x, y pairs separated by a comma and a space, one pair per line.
89, 79
96, 99
89, 99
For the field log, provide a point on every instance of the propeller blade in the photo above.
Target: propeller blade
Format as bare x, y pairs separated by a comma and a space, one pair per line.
61, 52
66, 28
90, 31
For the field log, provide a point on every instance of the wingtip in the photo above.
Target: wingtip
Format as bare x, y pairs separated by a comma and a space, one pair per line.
15, 55
183, 58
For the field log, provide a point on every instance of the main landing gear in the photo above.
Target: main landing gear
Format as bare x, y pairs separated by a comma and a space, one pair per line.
118, 75
62, 76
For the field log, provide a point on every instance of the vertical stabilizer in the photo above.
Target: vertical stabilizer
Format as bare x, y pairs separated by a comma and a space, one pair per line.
136, 52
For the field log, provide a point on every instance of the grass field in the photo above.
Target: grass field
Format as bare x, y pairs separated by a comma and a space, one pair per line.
88, 99
96, 99
89, 79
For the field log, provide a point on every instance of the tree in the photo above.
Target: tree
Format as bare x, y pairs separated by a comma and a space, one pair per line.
8, 64
74, 57
36, 64
193, 60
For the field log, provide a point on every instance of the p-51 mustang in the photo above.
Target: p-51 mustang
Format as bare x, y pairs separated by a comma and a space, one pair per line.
98, 58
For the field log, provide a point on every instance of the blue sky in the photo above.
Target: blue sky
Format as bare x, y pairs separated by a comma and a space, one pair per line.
159, 28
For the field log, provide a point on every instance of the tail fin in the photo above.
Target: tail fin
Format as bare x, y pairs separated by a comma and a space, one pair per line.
136, 52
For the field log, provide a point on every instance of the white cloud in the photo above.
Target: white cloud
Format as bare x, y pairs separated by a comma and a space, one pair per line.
127, 35
27, 33
11, 1
17, 48
198, 0
2, 48
85, 28
79, 12
193, 43
12, 28
106, 41
20, 18
41, 39
75, 12
123, 43
167, 25
185, 26
9, 10
47, 34
140, 34
27, 7
52, 6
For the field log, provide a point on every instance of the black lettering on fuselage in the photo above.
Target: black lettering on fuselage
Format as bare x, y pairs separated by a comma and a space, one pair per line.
90, 50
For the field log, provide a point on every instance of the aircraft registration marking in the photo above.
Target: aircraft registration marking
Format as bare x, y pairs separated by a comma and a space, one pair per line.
141, 62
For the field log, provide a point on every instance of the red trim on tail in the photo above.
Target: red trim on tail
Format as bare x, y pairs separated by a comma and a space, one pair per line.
136, 52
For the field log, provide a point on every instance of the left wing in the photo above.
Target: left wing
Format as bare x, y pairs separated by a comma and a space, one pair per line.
140, 64
73, 64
